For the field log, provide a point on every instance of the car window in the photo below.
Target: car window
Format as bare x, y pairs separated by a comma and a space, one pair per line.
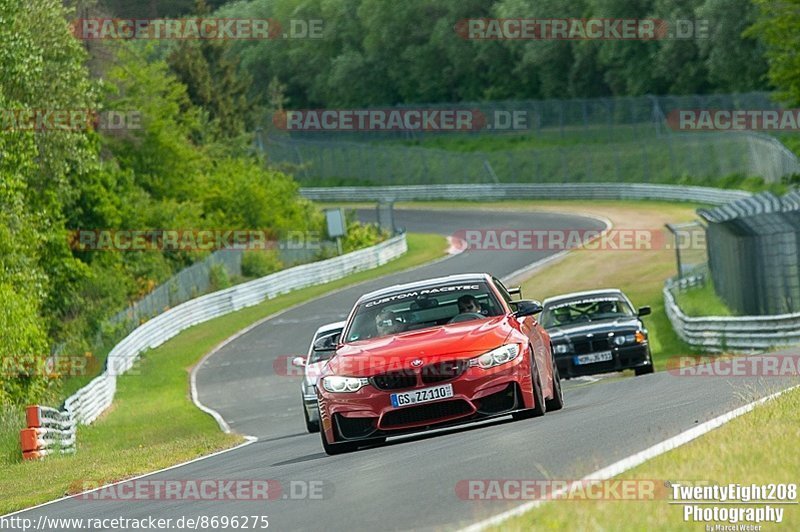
321, 356
420, 309
585, 309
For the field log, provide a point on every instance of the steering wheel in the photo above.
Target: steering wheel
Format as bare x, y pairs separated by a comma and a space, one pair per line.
466, 316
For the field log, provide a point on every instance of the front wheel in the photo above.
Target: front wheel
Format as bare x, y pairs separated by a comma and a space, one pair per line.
557, 402
538, 397
645, 370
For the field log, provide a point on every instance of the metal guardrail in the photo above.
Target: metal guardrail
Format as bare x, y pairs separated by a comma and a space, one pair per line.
500, 191
723, 333
90, 401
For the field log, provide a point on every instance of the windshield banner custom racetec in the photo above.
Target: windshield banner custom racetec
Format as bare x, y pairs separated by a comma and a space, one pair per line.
421, 293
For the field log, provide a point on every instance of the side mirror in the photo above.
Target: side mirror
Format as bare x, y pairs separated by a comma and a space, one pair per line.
327, 343
299, 362
528, 307
644, 311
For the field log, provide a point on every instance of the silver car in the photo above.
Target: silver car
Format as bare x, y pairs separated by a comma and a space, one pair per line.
321, 349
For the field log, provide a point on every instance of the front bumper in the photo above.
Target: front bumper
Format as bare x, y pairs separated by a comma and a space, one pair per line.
629, 357
477, 394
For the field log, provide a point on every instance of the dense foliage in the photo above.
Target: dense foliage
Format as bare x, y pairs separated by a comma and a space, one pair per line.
374, 52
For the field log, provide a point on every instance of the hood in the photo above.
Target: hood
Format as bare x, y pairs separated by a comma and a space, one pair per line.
447, 342
595, 327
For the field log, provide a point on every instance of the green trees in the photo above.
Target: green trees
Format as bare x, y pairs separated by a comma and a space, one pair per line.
779, 27
378, 53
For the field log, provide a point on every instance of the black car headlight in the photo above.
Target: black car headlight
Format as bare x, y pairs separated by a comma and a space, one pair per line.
631, 338
561, 349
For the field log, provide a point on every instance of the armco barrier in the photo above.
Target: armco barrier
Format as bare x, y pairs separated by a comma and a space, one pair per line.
57, 430
501, 191
730, 333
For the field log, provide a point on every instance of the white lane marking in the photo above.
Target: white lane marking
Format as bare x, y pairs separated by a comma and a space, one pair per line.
250, 439
630, 462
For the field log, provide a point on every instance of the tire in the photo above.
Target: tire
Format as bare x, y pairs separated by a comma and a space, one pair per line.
311, 426
336, 448
557, 402
538, 396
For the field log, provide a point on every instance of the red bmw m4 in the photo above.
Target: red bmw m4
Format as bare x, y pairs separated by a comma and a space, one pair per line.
435, 353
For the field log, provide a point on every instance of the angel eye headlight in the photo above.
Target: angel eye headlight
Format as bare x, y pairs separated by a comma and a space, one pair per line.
337, 384
561, 349
495, 357
638, 337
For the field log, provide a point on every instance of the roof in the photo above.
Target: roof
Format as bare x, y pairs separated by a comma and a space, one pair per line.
330, 327
462, 277
587, 293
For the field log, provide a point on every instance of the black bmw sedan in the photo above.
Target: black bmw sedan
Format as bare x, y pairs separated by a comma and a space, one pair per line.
597, 332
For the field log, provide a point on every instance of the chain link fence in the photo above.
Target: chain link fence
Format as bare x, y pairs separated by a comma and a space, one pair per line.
579, 140
754, 253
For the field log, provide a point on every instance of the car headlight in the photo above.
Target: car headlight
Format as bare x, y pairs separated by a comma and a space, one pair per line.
561, 349
638, 337
338, 384
495, 357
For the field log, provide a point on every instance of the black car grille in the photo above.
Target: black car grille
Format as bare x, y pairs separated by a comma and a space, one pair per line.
591, 345
428, 412
443, 371
395, 380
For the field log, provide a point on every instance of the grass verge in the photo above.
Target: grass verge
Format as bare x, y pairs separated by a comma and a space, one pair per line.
131, 438
721, 457
702, 301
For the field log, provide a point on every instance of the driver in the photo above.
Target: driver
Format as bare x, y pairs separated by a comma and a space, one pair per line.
387, 322
561, 315
468, 304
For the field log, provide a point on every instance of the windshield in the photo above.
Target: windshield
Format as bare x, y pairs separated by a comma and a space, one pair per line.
422, 308
585, 309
